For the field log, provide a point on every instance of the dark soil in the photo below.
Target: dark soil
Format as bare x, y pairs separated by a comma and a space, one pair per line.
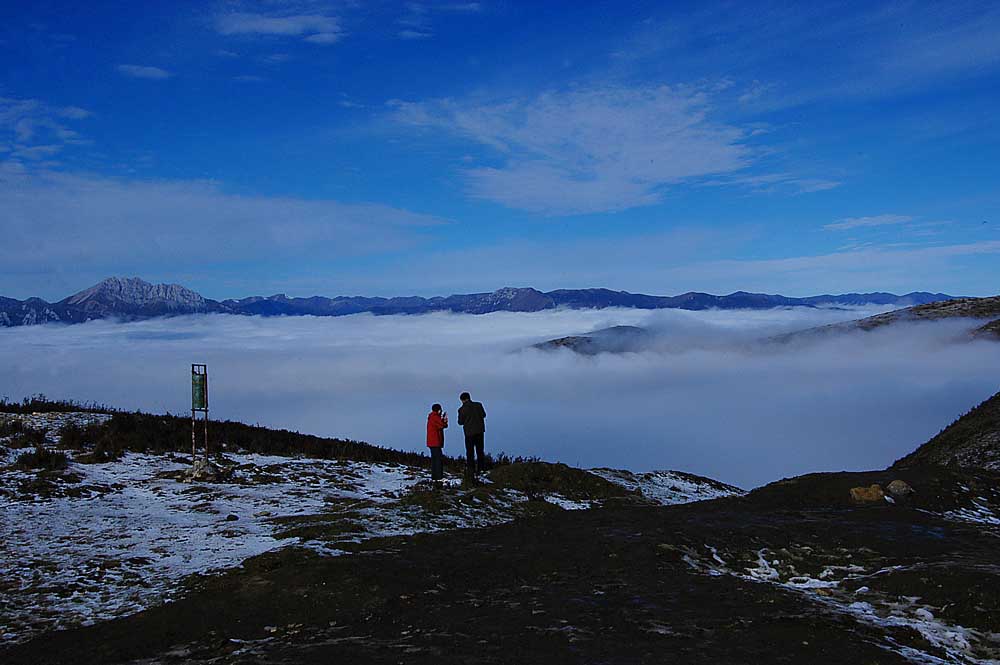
543, 477
617, 585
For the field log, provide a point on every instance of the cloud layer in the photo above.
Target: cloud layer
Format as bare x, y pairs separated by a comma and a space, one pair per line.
710, 401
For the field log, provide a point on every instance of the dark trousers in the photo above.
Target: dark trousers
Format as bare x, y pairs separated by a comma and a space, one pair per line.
475, 459
437, 464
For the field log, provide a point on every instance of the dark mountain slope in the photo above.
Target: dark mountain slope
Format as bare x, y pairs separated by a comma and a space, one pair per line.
972, 441
618, 339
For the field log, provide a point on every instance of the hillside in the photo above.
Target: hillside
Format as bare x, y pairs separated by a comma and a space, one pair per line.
985, 309
617, 339
88, 492
972, 441
132, 299
291, 559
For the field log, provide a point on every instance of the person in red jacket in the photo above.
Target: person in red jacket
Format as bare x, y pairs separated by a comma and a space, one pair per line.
437, 423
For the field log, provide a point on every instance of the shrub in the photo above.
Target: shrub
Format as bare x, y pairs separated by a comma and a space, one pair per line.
42, 404
44, 459
145, 433
73, 436
27, 438
11, 427
503, 459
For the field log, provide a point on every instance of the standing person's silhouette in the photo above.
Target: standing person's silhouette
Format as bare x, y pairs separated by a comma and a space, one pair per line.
472, 418
437, 423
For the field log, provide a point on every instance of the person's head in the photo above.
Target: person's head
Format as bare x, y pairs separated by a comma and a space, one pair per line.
436, 408
465, 397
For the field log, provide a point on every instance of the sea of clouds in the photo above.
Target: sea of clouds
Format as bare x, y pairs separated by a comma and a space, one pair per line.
710, 400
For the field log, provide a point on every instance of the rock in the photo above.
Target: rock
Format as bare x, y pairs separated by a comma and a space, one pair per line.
203, 471
870, 494
231, 518
900, 489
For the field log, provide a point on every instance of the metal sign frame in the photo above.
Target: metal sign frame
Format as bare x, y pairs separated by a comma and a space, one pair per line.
199, 403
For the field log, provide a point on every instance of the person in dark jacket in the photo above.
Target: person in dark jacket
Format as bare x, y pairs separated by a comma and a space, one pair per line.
437, 423
472, 418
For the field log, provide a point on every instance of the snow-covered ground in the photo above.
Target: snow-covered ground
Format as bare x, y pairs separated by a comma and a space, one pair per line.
126, 541
832, 588
669, 487
114, 538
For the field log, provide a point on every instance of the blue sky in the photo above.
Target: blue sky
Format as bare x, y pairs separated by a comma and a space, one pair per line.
429, 148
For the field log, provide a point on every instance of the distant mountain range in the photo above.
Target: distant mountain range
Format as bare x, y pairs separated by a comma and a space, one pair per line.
134, 299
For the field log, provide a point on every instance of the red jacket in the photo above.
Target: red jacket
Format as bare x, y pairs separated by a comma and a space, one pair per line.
436, 426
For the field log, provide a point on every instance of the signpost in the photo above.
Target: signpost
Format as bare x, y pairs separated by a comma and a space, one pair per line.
199, 402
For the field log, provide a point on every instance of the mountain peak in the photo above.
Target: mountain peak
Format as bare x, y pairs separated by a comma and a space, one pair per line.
115, 292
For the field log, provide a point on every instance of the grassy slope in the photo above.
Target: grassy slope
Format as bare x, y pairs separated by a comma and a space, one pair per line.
987, 309
972, 440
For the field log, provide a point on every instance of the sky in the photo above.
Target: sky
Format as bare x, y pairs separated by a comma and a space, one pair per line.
708, 400
425, 148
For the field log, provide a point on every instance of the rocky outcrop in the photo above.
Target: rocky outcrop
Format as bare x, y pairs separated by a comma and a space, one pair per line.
871, 494
899, 489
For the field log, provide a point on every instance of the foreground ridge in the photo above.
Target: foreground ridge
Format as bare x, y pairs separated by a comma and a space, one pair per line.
542, 564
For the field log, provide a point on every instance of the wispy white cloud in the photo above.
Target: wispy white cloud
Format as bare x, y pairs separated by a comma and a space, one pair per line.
85, 222
461, 7
695, 258
74, 113
417, 20
938, 267
275, 58
587, 150
777, 182
864, 222
36, 152
414, 34
754, 91
144, 72
324, 37
313, 28
31, 130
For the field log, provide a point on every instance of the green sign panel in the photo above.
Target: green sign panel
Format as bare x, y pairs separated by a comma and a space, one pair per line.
199, 391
